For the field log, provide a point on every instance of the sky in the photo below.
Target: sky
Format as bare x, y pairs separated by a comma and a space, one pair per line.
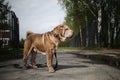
38, 16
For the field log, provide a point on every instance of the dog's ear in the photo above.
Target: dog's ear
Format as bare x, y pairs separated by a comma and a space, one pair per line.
59, 27
28, 33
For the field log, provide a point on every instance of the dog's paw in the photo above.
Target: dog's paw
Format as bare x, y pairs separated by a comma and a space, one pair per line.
34, 66
24, 67
51, 70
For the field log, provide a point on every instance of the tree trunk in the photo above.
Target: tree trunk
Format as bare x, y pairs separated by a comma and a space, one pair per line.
99, 26
81, 39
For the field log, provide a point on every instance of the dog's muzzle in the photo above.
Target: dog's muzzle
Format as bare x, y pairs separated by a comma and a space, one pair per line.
68, 33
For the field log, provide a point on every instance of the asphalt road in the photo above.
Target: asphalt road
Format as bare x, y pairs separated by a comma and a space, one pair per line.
70, 67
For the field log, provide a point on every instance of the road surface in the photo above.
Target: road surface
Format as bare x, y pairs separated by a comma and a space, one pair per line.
70, 67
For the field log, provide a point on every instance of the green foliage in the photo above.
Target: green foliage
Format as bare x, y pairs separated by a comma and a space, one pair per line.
21, 44
80, 15
4, 9
76, 11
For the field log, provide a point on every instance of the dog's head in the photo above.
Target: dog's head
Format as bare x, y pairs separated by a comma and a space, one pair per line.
63, 32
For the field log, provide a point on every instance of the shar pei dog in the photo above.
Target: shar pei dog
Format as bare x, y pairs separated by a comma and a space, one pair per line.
46, 44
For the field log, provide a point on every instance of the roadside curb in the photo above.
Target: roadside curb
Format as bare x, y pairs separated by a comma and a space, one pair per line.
111, 60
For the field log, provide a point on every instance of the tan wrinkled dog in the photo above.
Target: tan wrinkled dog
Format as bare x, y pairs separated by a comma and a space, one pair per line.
46, 43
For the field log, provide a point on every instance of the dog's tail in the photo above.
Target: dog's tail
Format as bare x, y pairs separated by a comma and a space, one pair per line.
28, 33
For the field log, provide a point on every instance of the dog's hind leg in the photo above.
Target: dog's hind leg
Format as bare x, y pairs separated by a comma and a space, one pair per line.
27, 51
33, 59
24, 61
25, 57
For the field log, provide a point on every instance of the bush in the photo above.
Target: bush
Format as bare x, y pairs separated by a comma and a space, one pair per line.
21, 44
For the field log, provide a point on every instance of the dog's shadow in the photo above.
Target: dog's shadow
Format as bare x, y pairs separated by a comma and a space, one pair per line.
58, 68
70, 66
18, 66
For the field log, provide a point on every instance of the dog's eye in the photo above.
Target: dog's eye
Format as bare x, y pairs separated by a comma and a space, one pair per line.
61, 27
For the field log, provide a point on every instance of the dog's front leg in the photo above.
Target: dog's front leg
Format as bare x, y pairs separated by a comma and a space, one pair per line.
49, 61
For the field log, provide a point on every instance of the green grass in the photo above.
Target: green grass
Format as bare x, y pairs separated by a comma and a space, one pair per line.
68, 48
78, 48
91, 48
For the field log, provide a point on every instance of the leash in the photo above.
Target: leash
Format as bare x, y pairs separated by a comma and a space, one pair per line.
56, 61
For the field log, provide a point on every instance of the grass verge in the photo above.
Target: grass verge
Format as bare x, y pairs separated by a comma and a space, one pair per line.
78, 48
68, 48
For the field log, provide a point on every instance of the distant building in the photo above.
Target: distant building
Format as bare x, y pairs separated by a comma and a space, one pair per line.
9, 31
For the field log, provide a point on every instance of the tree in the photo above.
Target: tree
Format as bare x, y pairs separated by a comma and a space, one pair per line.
74, 14
4, 9
97, 21
110, 23
21, 44
78, 12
